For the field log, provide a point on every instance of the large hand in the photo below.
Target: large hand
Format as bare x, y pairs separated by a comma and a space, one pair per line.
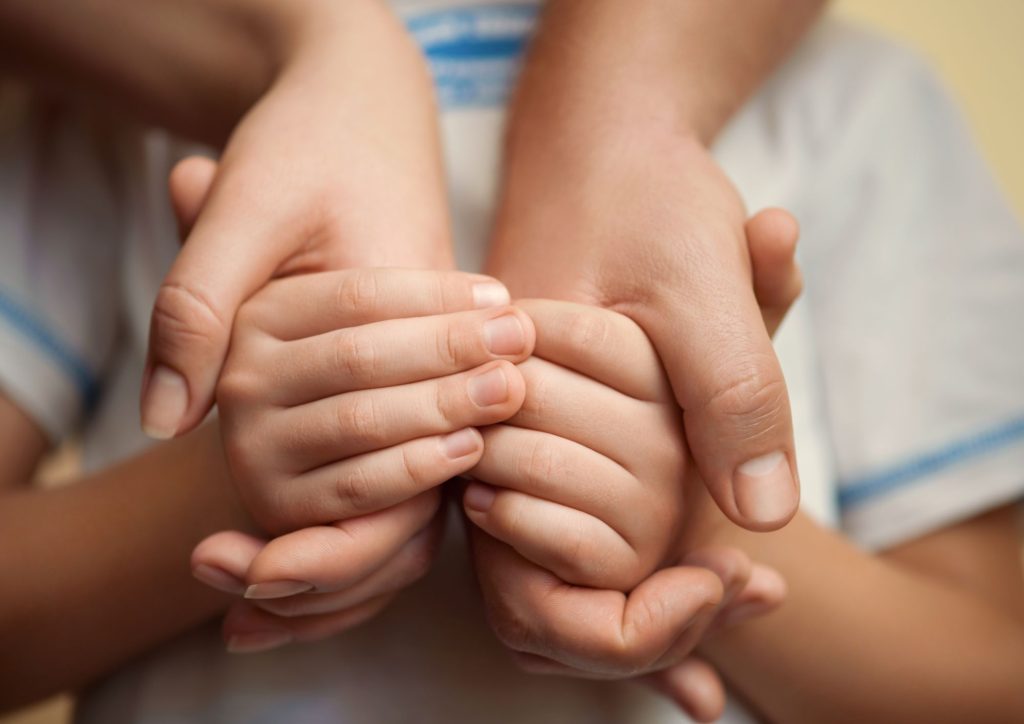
585, 567
337, 165
533, 608
656, 231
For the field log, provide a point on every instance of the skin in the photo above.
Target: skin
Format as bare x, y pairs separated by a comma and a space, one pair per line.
244, 75
947, 607
607, 171
78, 611
318, 595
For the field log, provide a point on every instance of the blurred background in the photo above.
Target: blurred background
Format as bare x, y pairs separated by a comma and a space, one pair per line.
976, 47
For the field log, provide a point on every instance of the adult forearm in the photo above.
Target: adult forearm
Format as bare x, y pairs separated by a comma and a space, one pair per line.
98, 571
687, 65
194, 66
861, 639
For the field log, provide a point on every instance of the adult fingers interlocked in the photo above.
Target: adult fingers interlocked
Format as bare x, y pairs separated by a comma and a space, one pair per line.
348, 392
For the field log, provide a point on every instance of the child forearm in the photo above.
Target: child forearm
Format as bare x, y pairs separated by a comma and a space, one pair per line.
861, 638
98, 571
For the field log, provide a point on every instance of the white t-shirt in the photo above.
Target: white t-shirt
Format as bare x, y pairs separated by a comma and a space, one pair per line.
905, 358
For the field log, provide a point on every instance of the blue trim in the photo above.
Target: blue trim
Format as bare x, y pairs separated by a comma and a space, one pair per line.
40, 334
856, 491
474, 51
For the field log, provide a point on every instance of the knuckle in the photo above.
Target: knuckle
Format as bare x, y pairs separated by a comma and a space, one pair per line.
588, 331
357, 289
358, 419
184, 318
451, 402
538, 463
413, 470
355, 356
238, 386
448, 346
754, 398
355, 489
537, 402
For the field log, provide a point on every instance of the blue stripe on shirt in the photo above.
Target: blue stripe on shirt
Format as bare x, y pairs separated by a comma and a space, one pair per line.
38, 332
859, 490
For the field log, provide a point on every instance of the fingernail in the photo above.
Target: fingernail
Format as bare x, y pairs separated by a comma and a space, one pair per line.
165, 403
489, 388
459, 444
504, 335
257, 641
479, 497
277, 589
218, 578
764, 489
490, 294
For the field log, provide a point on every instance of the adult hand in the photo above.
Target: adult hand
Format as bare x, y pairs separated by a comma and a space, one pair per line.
337, 165
652, 228
569, 630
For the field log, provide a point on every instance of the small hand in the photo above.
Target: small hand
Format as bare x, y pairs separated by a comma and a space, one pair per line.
347, 399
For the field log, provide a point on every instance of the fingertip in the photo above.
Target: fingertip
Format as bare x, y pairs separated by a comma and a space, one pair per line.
478, 498
462, 444
774, 230
766, 491
695, 687
189, 184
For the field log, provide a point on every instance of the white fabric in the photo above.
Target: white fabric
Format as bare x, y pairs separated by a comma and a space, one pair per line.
904, 359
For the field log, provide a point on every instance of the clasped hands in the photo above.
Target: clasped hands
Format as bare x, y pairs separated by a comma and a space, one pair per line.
350, 397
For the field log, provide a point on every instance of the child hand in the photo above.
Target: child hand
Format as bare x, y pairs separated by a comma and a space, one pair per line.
346, 400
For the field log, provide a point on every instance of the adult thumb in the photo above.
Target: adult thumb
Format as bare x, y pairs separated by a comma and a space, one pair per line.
227, 256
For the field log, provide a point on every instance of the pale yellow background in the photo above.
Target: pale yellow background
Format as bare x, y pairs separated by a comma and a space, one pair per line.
976, 44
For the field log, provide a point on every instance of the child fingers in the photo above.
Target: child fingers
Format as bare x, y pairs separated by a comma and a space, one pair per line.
357, 422
310, 304
222, 560
772, 236
334, 557
364, 483
765, 591
694, 686
731, 565
396, 352
601, 631
553, 468
248, 629
578, 337
407, 566
565, 403
575, 546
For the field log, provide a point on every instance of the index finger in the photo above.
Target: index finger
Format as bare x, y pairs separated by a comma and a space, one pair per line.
303, 306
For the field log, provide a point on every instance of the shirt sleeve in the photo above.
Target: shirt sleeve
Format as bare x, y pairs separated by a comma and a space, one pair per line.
915, 283
59, 239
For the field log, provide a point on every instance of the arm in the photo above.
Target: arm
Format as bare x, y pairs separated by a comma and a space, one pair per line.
325, 114
194, 67
100, 565
929, 631
611, 197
